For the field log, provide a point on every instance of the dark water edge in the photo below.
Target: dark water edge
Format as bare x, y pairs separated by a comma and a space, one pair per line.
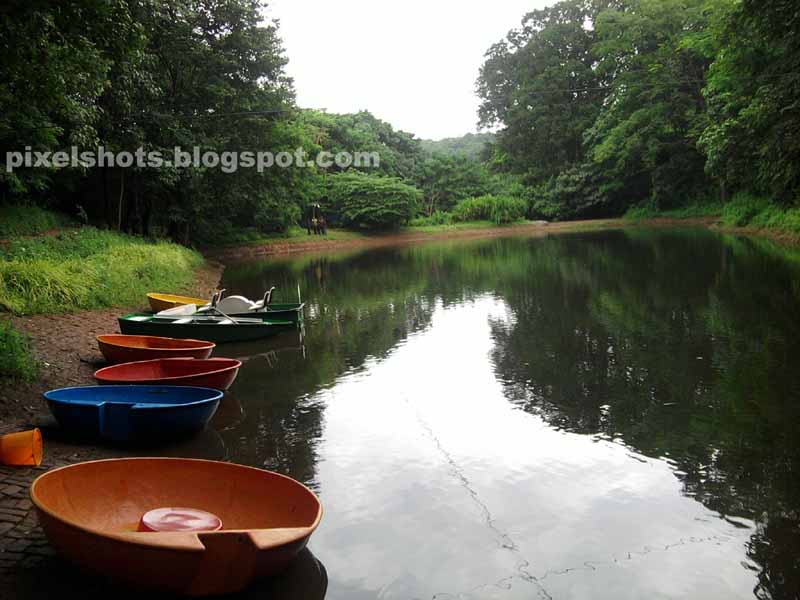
603, 415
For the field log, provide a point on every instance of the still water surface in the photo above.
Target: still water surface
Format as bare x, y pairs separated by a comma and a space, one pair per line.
602, 415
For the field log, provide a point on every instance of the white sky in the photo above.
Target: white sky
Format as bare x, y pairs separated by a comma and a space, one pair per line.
412, 63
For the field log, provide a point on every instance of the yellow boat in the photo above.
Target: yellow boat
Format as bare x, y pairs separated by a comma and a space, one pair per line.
159, 302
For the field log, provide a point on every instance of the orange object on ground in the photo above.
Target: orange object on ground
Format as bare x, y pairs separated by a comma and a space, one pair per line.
21, 449
179, 519
91, 512
118, 348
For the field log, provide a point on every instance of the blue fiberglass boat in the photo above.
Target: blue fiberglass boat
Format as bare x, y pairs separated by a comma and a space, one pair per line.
133, 412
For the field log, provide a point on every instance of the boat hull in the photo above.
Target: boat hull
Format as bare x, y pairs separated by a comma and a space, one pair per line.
132, 348
133, 413
159, 302
284, 312
217, 373
218, 334
90, 511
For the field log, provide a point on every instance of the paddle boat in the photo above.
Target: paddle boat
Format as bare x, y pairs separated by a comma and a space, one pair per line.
237, 306
227, 525
118, 348
159, 302
216, 329
130, 413
217, 373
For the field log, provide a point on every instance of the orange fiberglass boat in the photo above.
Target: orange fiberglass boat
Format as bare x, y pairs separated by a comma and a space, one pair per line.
217, 373
118, 348
92, 513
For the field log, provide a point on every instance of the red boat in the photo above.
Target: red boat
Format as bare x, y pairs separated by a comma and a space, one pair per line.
217, 373
119, 348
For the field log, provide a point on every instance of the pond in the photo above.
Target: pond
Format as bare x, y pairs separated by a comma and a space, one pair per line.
608, 414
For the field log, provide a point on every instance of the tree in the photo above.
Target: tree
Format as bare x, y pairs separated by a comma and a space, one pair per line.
371, 201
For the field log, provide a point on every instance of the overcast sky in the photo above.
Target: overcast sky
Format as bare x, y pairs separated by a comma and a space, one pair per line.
412, 63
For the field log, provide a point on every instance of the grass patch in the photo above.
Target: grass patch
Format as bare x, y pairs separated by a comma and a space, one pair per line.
16, 359
89, 268
421, 226
20, 219
294, 235
747, 210
694, 210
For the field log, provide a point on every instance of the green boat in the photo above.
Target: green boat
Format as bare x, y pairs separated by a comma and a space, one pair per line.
215, 329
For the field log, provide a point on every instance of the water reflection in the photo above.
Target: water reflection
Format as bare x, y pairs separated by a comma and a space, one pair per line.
305, 578
604, 415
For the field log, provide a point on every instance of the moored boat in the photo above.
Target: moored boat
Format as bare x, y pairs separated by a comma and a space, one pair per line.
215, 329
217, 373
159, 302
91, 513
128, 413
120, 348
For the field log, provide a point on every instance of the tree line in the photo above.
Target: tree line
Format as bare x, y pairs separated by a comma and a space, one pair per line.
604, 104
598, 105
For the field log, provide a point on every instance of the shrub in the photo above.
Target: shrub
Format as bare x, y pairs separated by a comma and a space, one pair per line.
88, 268
437, 218
16, 358
500, 210
21, 219
371, 202
743, 208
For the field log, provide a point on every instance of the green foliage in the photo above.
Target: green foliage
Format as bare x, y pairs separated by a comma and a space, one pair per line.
605, 105
29, 219
437, 218
746, 209
471, 146
371, 202
500, 210
16, 357
753, 137
89, 268
576, 192
708, 208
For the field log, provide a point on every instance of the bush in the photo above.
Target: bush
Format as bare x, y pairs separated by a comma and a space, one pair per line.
746, 209
437, 218
577, 192
88, 268
371, 202
500, 210
19, 219
16, 359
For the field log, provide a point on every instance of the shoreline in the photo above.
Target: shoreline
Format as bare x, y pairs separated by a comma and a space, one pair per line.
314, 245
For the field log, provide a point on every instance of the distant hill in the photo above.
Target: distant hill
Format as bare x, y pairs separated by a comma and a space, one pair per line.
469, 145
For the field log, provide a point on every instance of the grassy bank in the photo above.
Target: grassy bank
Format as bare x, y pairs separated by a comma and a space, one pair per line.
743, 210
691, 211
16, 358
746, 210
294, 235
19, 220
88, 268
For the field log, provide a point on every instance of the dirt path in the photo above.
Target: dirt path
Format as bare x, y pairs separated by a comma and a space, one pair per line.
539, 228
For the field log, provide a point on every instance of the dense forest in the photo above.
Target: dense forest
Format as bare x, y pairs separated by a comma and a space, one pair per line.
597, 106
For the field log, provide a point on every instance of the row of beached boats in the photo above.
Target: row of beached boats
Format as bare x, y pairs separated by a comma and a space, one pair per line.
176, 525
179, 385
219, 320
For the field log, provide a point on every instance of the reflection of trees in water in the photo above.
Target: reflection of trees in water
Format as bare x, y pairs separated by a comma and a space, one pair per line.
358, 308
776, 547
680, 343
682, 346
